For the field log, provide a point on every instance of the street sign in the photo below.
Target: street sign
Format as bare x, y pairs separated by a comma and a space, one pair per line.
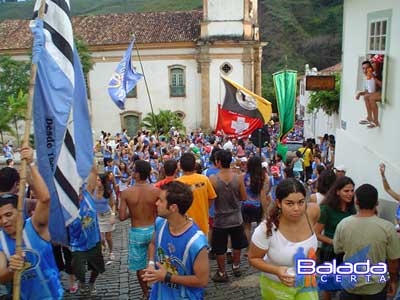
320, 82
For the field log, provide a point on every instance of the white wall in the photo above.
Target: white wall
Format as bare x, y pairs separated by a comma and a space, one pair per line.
225, 28
359, 148
219, 10
106, 115
105, 112
230, 12
217, 87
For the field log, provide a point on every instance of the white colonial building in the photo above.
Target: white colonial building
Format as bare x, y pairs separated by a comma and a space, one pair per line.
182, 55
371, 27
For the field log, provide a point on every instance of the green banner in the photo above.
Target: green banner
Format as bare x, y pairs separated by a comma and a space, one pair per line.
285, 83
282, 150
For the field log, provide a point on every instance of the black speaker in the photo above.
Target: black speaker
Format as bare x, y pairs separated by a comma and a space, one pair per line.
260, 137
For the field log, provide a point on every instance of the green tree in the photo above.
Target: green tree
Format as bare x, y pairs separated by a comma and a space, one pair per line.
163, 121
14, 84
85, 55
14, 77
328, 101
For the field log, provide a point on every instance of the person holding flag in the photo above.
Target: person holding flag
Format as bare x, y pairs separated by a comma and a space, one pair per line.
39, 279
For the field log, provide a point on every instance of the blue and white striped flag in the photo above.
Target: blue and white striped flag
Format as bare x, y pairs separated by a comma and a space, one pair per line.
124, 79
63, 139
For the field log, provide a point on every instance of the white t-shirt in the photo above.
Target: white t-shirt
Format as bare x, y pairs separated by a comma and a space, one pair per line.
280, 250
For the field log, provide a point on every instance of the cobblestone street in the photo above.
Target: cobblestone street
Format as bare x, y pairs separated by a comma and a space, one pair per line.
118, 283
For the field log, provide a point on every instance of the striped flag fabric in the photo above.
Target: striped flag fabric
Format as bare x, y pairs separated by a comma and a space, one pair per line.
63, 135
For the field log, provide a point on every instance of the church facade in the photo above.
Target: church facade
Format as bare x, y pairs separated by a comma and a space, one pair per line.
181, 54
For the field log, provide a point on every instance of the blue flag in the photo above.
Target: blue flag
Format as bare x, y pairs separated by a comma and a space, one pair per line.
63, 144
81, 120
124, 79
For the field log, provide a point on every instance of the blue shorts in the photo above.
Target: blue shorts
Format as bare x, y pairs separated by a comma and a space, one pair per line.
139, 240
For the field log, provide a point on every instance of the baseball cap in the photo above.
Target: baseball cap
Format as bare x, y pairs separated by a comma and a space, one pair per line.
264, 164
340, 168
275, 170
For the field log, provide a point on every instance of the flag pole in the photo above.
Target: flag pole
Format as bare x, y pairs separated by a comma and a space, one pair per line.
23, 170
147, 90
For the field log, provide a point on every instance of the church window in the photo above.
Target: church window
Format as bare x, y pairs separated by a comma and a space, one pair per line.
177, 86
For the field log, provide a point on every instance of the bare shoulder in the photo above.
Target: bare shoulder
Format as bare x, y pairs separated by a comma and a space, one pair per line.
313, 211
313, 198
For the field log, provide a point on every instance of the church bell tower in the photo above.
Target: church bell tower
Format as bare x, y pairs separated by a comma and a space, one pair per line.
230, 18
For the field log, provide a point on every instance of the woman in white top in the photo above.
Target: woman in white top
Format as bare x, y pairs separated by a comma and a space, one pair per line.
285, 236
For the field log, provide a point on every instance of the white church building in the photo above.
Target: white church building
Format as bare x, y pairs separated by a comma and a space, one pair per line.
182, 55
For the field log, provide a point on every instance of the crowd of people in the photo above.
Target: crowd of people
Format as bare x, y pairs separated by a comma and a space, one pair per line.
193, 198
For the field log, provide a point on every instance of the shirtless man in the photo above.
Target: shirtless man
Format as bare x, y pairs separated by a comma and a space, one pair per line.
140, 200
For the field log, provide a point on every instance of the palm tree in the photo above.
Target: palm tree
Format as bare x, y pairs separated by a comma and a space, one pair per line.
162, 122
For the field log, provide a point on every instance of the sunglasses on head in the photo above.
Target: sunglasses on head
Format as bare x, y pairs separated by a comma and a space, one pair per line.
8, 199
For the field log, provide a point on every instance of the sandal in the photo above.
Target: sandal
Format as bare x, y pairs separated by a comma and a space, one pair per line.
372, 125
236, 271
220, 277
364, 122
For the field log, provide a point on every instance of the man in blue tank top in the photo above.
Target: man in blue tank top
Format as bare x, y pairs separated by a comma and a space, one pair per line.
85, 240
179, 248
39, 279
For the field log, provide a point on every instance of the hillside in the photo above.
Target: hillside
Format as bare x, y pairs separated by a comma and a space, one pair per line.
297, 31
23, 10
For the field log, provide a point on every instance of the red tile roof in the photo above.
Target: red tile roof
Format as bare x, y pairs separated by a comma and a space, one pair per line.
333, 69
113, 29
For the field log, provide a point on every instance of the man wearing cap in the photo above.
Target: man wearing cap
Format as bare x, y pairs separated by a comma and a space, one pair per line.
340, 171
40, 279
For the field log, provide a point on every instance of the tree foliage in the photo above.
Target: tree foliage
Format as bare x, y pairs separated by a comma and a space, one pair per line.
14, 85
162, 122
85, 55
328, 101
14, 77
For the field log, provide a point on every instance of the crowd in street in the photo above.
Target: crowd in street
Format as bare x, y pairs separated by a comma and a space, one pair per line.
198, 197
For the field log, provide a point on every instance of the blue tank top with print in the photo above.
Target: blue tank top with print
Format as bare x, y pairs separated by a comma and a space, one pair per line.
177, 254
41, 281
84, 231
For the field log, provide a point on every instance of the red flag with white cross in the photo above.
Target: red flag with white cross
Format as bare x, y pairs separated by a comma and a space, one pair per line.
236, 125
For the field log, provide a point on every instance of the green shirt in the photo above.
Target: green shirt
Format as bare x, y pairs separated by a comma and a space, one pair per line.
331, 217
356, 233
